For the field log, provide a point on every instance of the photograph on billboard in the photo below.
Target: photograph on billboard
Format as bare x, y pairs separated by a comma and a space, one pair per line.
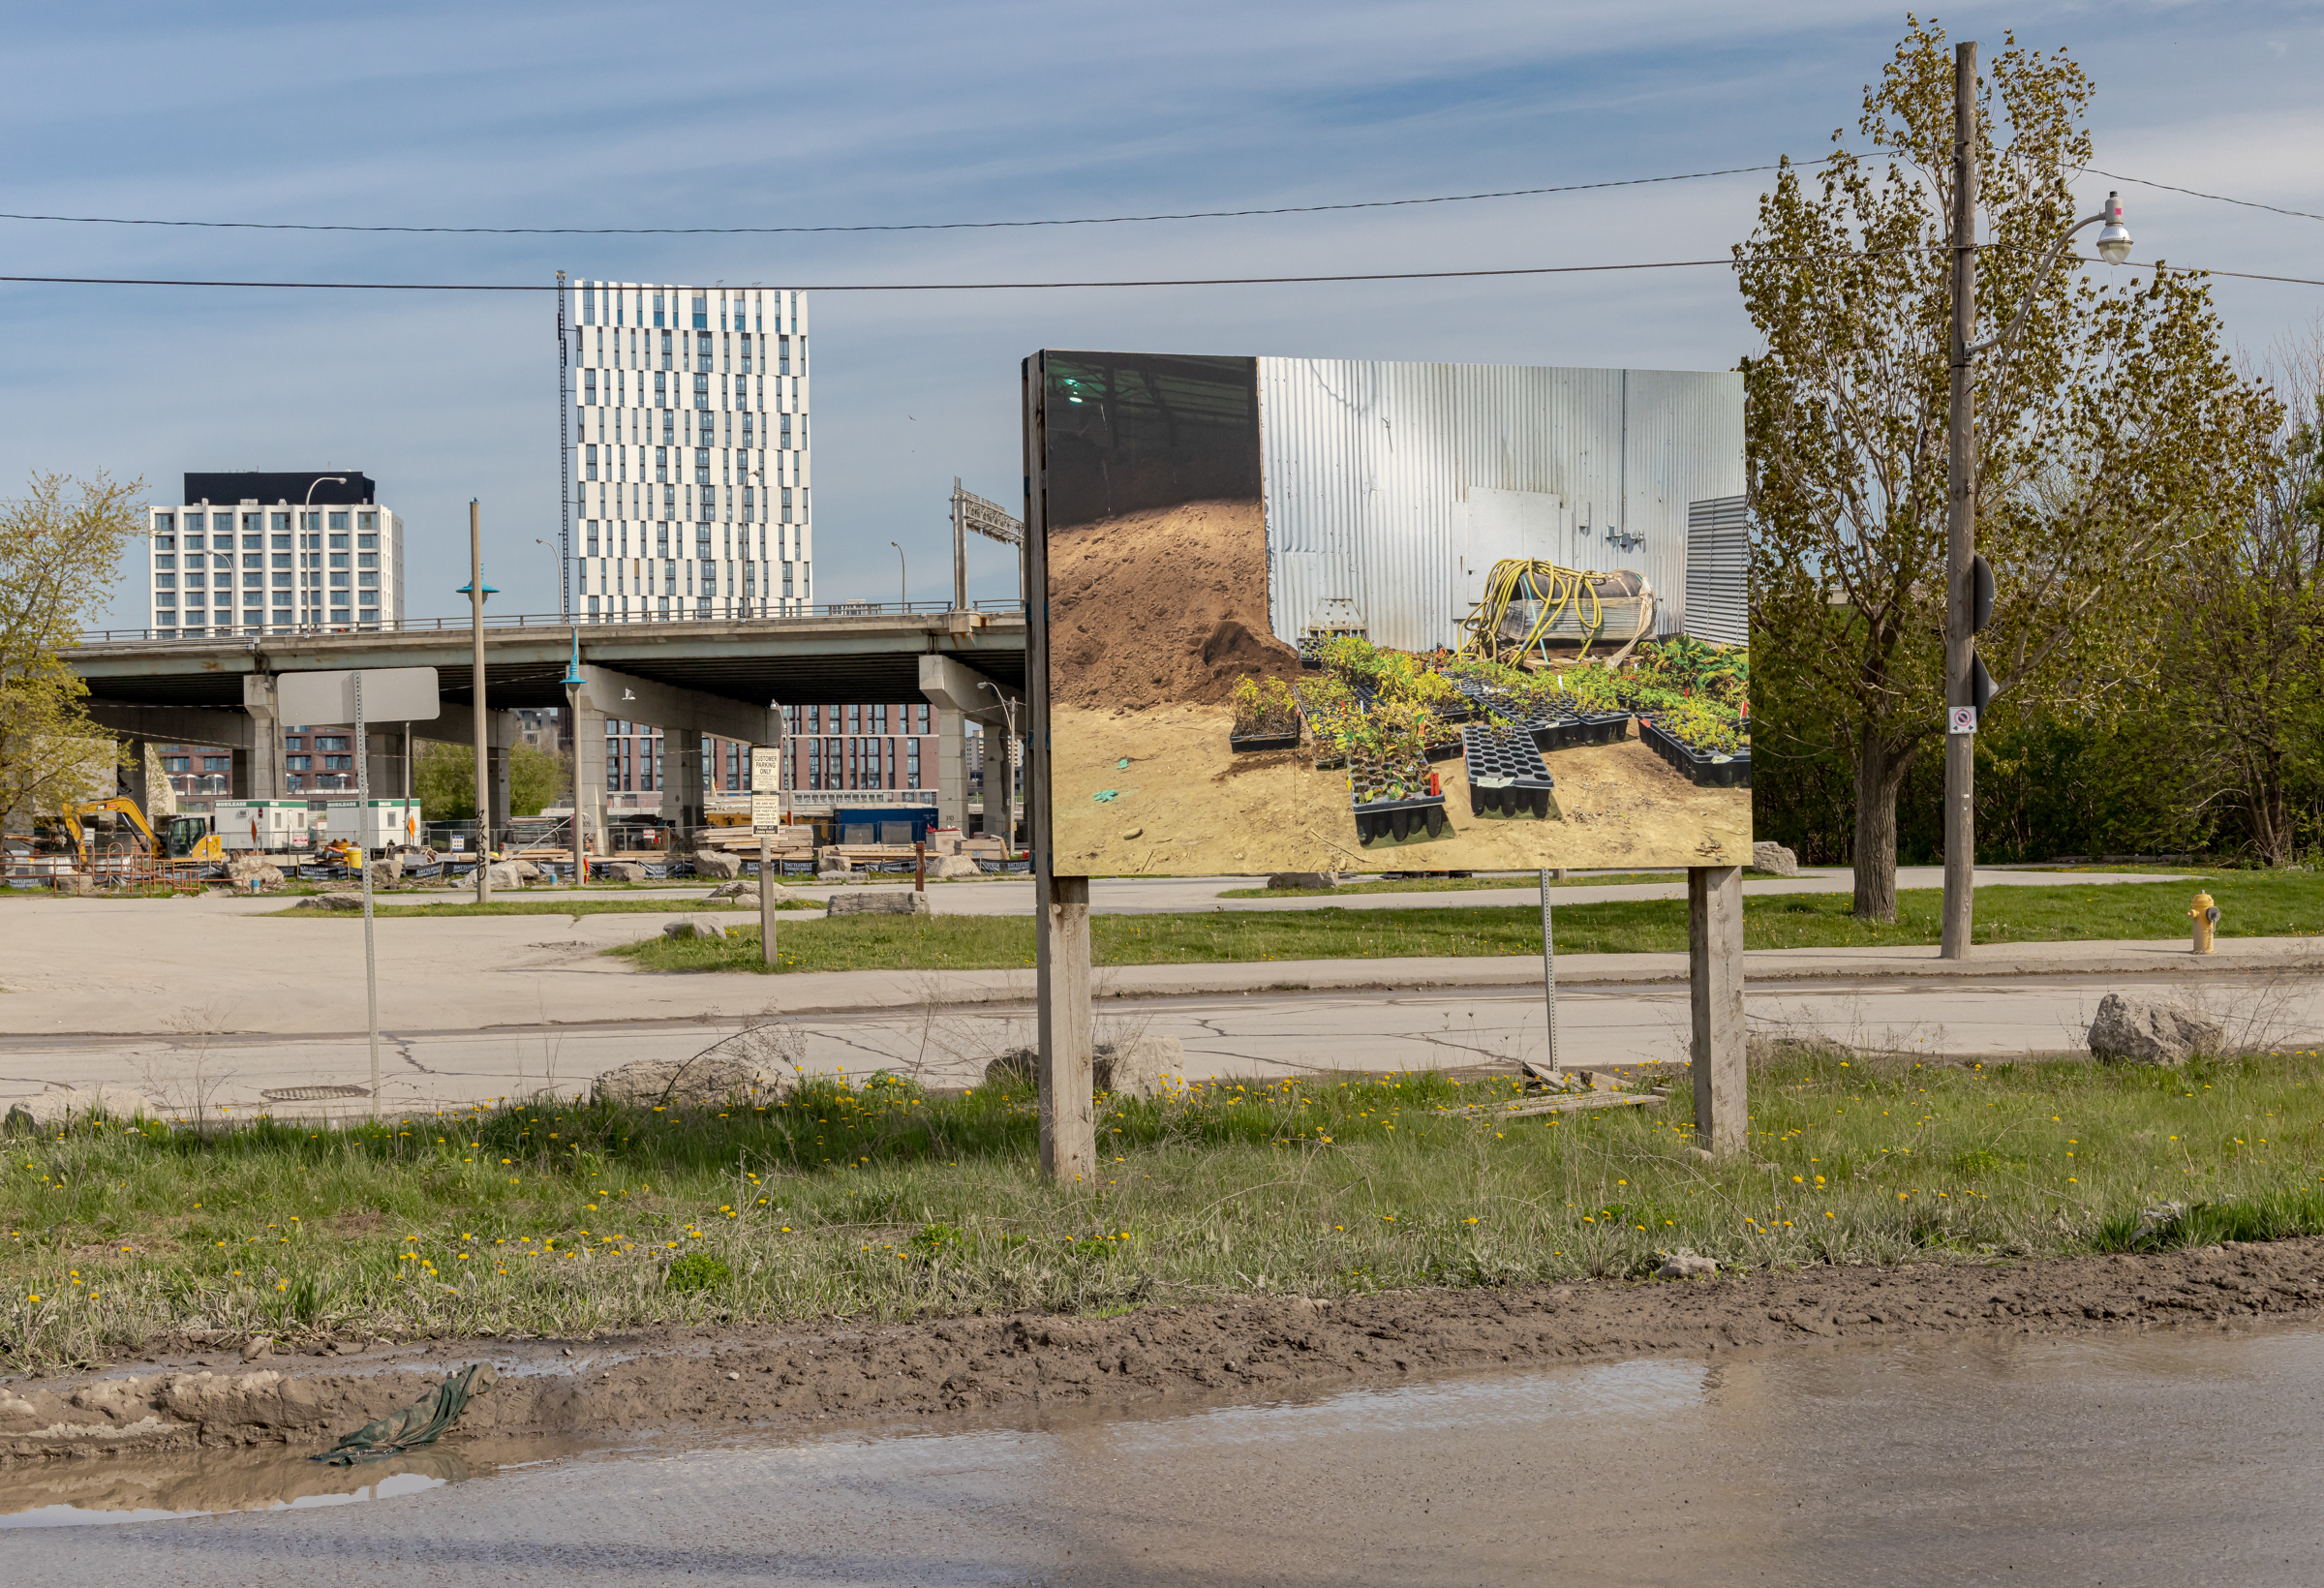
1359, 615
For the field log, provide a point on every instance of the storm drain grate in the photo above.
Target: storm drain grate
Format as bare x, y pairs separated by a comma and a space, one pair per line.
313, 1094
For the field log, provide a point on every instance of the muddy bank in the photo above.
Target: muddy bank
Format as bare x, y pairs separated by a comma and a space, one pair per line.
1253, 1348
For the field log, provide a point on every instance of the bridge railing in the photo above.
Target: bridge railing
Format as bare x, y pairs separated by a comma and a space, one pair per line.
803, 613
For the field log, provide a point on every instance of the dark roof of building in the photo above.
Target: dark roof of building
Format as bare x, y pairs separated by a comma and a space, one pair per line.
260, 485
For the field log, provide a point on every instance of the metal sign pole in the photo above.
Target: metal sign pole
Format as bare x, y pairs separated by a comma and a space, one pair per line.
1548, 969
371, 969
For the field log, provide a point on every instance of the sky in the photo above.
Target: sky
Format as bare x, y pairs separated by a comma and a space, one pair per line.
716, 115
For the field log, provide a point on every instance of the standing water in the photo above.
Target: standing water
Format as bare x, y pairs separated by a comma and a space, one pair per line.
2170, 1457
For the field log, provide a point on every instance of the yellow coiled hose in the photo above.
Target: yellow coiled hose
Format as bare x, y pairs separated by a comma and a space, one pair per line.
1558, 590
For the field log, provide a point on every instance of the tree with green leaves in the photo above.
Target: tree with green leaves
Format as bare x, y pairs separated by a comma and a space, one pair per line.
59, 547
2247, 633
445, 779
2116, 441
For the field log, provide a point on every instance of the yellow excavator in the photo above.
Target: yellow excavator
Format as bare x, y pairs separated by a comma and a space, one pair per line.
181, 837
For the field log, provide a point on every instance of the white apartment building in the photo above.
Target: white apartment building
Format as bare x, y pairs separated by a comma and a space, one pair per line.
267, 553
690, 453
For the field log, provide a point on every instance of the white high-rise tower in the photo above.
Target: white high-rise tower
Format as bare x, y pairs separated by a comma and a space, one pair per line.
690, 453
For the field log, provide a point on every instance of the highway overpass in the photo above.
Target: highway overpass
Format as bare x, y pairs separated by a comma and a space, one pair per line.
687, 678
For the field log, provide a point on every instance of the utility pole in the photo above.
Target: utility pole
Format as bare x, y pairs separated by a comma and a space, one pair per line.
1961, 527
475, 619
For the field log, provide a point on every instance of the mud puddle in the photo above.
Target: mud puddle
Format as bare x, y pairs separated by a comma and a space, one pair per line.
2165, 1458
169, 1485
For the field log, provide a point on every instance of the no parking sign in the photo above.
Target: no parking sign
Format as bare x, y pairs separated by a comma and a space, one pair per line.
1964, 719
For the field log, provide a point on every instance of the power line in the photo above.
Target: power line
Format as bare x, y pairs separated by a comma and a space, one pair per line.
912, 226
893, 287
1057, 285
2219, 197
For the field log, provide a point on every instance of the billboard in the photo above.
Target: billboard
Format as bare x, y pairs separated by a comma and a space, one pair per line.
1349, 615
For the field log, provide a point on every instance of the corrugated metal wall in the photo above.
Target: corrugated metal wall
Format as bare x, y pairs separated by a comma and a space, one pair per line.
1371, 467
1719, 571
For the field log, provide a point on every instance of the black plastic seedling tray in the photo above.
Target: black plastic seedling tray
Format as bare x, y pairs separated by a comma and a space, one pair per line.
1311, 652
1603, 727
1399, 819
1382, 813
1707, 771
1265, 740
1506, 773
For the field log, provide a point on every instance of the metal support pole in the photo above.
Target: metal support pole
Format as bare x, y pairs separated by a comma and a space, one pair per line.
484, 720
766, 900
1961, 523
959, 551
371, 969
1715, 994
1548, 969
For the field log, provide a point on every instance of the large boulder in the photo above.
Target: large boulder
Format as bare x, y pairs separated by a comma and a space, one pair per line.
2151, 1032
386, 871
50, 1109
716, 862
335, 903
1306, 880
948, 868
742, 890
712, 1079
618, 871
245, 869
1774, 859
80, 884
878, 902
1134, 1069
696, 926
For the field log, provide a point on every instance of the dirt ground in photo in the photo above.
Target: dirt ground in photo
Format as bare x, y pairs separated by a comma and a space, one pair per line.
1186, 803
1162, 607
1231, 1351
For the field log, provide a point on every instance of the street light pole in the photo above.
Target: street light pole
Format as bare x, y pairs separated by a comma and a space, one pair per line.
303, 516
903, 583
1969, 582
475, 619
1961, 524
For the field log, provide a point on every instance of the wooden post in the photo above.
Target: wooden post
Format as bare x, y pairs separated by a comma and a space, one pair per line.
1068, 1038
1715, 990
1061, 930
766, 898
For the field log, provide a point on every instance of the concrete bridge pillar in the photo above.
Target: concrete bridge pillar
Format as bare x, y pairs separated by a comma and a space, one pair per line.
258, 764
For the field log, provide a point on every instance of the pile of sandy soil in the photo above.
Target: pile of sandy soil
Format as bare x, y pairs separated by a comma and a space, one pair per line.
1167, 606
1260, 1348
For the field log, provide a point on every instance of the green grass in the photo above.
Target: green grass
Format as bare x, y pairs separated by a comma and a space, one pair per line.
2252, 904
877, 1200
572, 907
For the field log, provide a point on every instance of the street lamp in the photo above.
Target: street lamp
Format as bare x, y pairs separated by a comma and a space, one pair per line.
903, 585
1008, 789
1969, 581
338, 479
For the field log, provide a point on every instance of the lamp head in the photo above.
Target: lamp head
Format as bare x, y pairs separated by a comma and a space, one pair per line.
2114, 239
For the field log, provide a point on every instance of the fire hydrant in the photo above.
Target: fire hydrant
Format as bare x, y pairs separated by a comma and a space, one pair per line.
2206, 916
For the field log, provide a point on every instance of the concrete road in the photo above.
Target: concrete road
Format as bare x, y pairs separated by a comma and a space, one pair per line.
2129, 1459
1148, 896
1256, 1034
233, 964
